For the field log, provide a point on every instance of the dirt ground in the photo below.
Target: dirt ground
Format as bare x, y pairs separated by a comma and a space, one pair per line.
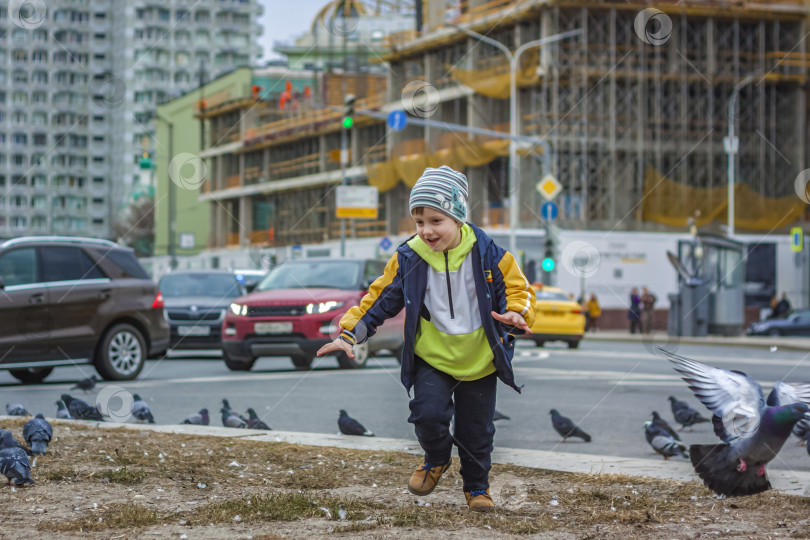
121, 483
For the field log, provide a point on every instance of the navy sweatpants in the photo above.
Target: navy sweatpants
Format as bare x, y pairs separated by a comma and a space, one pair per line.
437, 396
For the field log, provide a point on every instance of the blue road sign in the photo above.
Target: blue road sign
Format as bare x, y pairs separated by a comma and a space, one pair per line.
397, 120
385, 243
549, 211
796, 239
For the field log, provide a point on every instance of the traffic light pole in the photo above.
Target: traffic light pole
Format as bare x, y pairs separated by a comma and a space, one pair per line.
344, 152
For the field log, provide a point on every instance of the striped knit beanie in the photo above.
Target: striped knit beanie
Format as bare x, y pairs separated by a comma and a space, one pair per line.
442, 189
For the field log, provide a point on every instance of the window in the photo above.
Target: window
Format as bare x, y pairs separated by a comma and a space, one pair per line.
40, 139
18, 160
19, 138
126, 261
19, 267
67, 264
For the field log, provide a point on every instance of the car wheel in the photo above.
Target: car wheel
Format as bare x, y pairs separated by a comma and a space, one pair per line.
775, 332
121, 353
573, 344
243, 364
361, 354
31, 375
302, 362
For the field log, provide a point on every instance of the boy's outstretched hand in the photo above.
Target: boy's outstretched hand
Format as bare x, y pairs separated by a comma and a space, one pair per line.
340, 345
511, 318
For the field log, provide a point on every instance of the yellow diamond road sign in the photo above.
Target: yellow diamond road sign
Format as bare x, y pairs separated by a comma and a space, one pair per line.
549, 187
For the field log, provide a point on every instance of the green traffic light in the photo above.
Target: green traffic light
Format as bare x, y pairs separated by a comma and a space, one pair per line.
548, 264
348, 122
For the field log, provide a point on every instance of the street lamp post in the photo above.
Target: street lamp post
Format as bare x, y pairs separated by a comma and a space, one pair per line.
731, 145
172, 197
513, 114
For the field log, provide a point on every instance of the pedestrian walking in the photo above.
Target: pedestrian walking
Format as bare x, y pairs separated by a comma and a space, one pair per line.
594, 312
647, 309
466, 300
783, 307
634, 312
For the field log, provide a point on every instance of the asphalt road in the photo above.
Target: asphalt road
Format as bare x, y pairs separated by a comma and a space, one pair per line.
609, 389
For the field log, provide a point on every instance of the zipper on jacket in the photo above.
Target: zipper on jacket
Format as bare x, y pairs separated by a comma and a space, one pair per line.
449, 291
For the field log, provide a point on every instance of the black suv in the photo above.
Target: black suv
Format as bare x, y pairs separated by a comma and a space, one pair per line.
67, 301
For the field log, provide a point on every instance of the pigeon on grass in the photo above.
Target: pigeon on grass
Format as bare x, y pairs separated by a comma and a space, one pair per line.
37, 432
14, 463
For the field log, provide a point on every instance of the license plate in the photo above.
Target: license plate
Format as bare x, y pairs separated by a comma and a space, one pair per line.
194, 330
273, 328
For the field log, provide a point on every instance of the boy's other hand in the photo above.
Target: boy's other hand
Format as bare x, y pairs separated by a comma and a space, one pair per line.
510, 318
339, 345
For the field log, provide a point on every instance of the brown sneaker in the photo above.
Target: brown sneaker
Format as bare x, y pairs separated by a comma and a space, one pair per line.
479, 500
423, 481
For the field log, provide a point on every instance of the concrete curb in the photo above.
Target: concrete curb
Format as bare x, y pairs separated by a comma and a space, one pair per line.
789, 482
791, 344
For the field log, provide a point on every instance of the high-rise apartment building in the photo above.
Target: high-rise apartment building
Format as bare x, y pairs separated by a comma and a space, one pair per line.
80, 81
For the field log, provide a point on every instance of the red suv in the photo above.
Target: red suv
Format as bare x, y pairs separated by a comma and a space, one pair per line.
296, 309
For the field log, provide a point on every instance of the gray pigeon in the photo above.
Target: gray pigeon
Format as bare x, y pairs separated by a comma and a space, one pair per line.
140, 410
662, 424
16, 409
61, 411
663, 443
86, 384
199, 419
685, 415
254, 422
18, 444
37, 432
350, 426
566, 428
231, 420
752, 429
14, 462
802, 430
226, 405
81, 410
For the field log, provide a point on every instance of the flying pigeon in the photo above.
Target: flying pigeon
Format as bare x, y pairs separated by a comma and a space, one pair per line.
13, 461
231, 420
566, 428
664, 425
16, 409
199, 419
663, 443
802, 430
86, 384
499, 416
61, 411
18, 444
226, 405
254, 422
752, 429
685, 415
81, 410
140, 410
37, 432
350, 426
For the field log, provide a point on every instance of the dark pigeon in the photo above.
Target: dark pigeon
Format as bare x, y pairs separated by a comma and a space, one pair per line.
226, 405
16, 409
231, 420
81, 410
61, 411
254, 422
685, 415
566, 428
752, 429
199, 419
37, 432
664, 425
499, 416
18, 444
663, 443
86, 384
140, 410
14, 462
350, 426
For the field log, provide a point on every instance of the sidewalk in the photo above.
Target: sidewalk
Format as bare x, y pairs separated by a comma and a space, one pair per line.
660, 337
789, 482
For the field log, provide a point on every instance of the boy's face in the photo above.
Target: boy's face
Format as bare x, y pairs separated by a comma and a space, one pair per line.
438, 230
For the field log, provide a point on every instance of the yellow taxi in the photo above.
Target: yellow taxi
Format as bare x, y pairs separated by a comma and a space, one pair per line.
557, 317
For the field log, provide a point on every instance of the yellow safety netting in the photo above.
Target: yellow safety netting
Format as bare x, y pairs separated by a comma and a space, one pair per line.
671, 203
494, 82
409, 159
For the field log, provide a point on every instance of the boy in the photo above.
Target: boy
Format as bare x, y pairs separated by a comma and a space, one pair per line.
465, 298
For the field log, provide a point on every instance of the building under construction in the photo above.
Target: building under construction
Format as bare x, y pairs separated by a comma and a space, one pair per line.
632, 115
